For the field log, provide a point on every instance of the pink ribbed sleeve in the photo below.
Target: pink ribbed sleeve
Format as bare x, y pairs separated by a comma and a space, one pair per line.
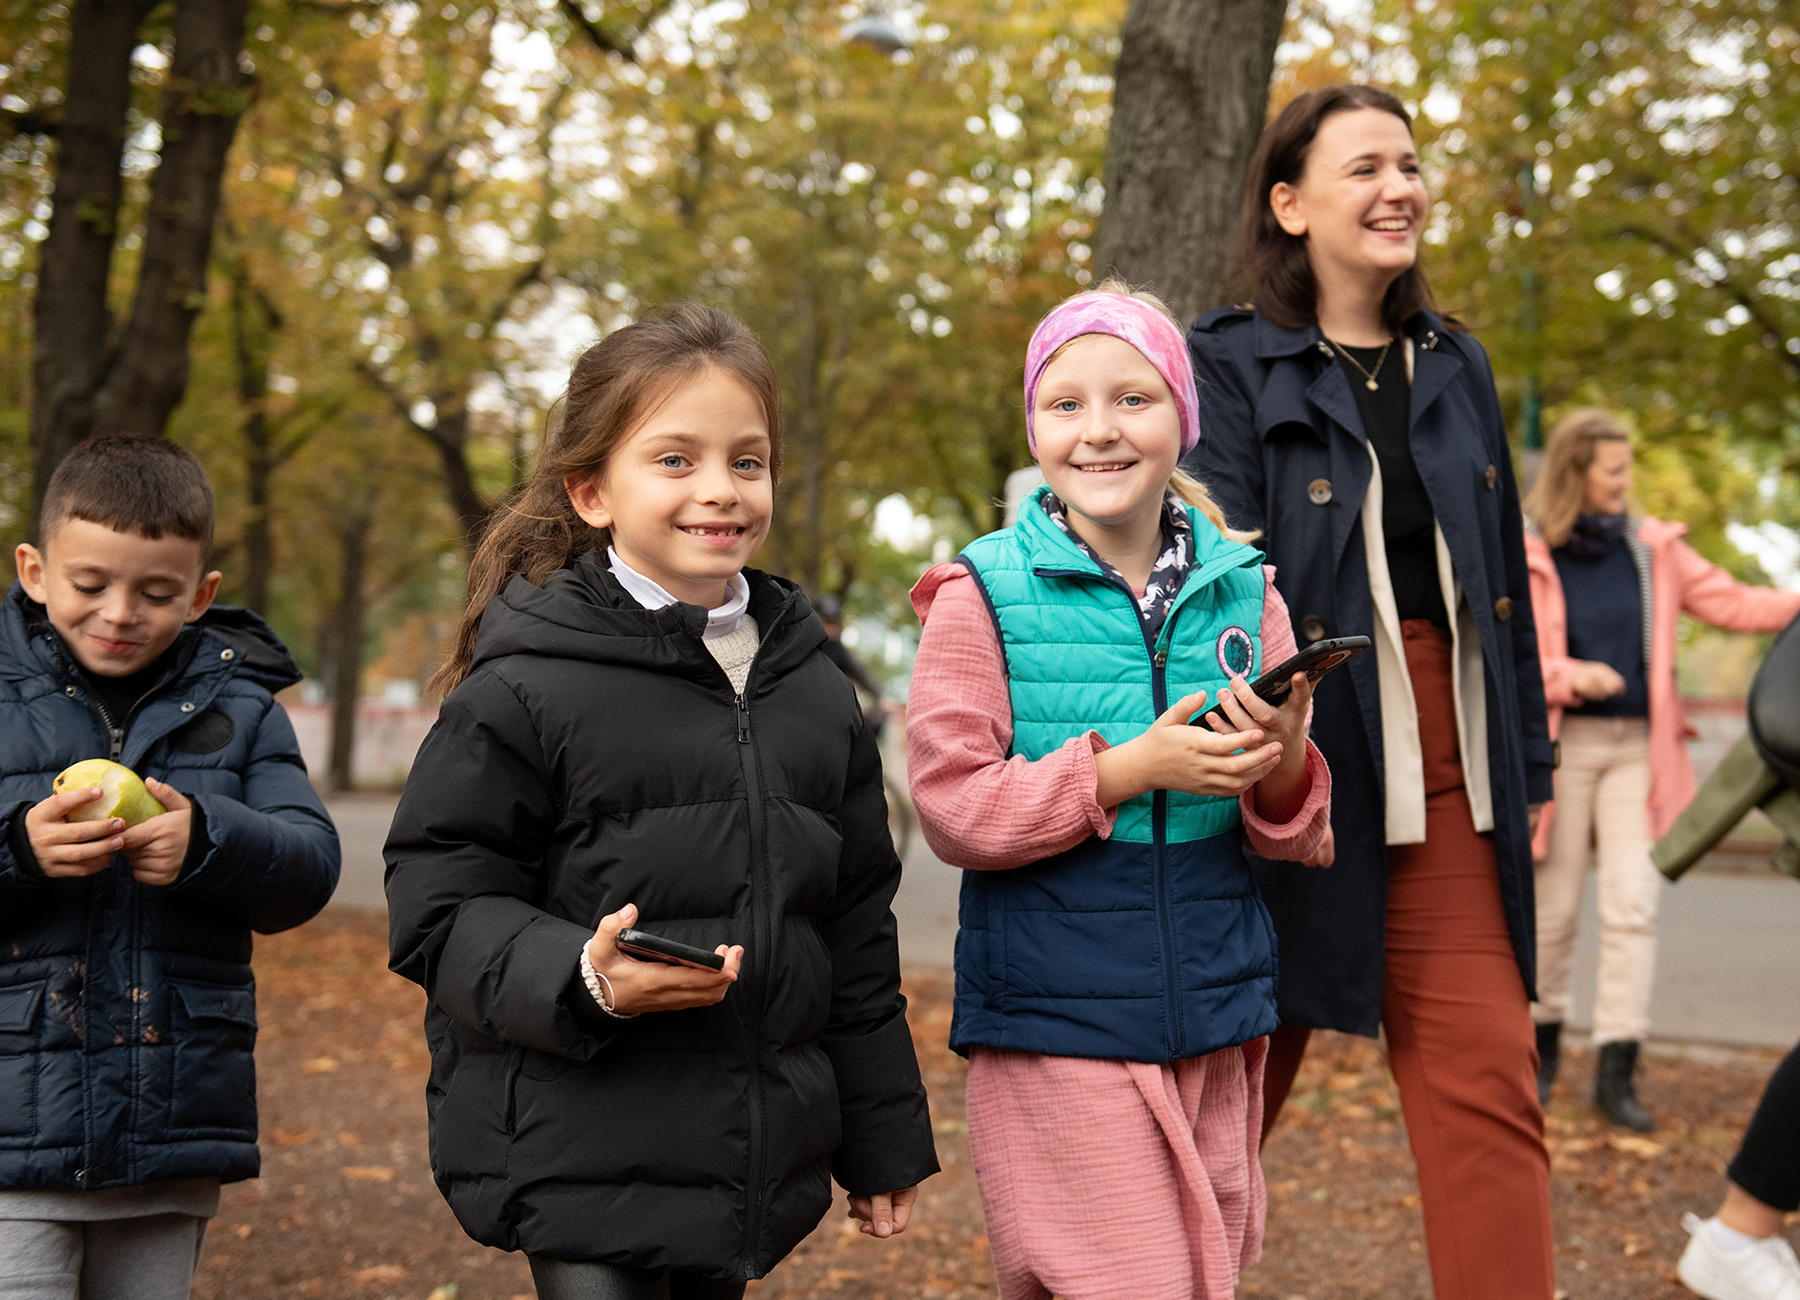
985, 811
978, 808
1298, 839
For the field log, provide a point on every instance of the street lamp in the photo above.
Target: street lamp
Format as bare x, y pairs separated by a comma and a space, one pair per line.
877, 31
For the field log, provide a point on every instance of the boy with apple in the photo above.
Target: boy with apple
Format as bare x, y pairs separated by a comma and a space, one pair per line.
127, 1007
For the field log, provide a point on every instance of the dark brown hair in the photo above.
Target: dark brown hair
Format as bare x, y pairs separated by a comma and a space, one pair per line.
140, 485
615, 384
1561, 487
1274, 268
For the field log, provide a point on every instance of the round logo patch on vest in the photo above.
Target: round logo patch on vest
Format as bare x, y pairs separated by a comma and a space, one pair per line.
1237, 652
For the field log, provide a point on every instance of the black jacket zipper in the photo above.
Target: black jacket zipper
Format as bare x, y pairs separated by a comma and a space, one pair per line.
753, 990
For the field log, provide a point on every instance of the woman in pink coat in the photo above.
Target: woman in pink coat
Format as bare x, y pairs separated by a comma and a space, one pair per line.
1607, 588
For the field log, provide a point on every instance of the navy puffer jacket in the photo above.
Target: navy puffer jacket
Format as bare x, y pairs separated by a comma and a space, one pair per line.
127, 1011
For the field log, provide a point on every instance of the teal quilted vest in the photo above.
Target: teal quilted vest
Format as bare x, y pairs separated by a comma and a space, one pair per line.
1151, 944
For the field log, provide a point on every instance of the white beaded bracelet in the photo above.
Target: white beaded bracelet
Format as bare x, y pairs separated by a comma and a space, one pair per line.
601, 989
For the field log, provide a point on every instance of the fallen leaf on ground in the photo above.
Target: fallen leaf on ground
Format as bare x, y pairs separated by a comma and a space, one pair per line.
319, 1065
378, 1273
369, 1173
1636, 1146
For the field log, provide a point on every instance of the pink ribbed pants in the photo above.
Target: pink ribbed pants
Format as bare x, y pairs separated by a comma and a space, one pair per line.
1118, 1180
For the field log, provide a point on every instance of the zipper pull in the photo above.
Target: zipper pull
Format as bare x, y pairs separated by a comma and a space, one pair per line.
1161, 659
117, 746
743, 712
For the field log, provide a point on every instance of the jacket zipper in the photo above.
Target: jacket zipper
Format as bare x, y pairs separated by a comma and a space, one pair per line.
753, 991
1159, 826
1159, 804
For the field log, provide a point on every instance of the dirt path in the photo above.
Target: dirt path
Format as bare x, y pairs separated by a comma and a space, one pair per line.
346, 1206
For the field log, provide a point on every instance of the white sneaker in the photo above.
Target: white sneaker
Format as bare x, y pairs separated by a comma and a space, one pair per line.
1764, 1271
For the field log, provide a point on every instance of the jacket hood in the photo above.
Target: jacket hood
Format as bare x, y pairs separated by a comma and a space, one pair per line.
28, 646
582, 612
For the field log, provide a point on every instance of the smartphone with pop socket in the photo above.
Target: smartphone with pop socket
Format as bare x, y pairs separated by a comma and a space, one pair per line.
1315, 661
653, 947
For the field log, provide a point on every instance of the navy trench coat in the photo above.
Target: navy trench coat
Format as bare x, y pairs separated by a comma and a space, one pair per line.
1283, 450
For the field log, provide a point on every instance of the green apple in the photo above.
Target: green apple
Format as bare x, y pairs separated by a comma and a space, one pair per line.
125, 796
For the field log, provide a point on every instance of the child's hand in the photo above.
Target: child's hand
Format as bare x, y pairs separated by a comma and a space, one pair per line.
656, 985
884, 1214
1171, 755
70, 850
156, 848
1282, 791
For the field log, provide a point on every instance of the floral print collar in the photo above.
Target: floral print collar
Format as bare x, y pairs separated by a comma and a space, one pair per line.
1166, 575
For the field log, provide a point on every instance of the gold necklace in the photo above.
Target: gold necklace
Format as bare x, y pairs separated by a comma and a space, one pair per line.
1368, 375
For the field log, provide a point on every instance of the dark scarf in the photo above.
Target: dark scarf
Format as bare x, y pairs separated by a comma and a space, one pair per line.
1169, 571
1594, 536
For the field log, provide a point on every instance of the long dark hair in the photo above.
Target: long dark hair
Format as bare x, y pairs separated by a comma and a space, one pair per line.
1274, 268
613, 386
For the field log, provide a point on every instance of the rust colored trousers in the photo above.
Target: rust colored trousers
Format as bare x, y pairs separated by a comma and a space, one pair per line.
1459, 1033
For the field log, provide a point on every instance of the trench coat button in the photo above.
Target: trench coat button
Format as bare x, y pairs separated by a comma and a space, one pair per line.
187, 706
1493, 477
229, 655
68, 690
1319, 491
1503, 608
1312, 627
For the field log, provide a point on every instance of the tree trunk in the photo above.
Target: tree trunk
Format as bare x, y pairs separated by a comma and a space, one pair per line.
449, 436
1191, 92
86, 379
70, 321
259, 450
347, 621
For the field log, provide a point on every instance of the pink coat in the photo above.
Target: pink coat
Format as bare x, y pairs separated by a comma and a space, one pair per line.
1680, 579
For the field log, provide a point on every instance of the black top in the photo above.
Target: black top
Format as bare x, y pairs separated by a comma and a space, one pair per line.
119, 695
1407, 522
1606, 623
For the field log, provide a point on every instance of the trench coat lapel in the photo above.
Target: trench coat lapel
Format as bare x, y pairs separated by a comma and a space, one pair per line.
1434, 370
1350, 474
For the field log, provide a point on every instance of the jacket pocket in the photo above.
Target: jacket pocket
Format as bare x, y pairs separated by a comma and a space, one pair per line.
214, 1085
19, 1009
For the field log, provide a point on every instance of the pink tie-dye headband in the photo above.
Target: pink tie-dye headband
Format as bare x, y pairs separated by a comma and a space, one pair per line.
1123, 317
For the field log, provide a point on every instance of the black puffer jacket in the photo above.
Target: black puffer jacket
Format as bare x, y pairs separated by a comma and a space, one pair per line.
597, 756
127, 1011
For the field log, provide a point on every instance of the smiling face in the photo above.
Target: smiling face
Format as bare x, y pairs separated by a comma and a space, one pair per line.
1108, 434
118, 600
688, 494
1608, 479
1359, 204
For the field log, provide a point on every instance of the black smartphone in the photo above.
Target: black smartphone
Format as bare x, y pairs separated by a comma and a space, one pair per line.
653, 947
1315, 661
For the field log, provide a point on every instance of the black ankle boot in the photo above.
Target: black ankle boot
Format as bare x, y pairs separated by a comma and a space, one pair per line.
1613, 1090
1549, 1045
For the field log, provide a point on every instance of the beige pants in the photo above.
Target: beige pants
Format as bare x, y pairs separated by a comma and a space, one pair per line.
1602, 797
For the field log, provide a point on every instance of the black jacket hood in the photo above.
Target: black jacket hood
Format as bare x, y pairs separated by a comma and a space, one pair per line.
582, 612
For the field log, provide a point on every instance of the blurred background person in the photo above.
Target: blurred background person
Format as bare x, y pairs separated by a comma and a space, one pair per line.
1607, 587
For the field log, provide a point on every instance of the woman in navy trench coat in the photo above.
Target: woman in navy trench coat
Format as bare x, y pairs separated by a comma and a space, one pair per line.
1424, 922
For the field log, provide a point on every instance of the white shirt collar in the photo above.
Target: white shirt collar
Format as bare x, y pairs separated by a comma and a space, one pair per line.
649, 593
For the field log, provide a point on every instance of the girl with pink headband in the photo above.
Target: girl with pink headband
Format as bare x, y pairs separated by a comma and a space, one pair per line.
1115, 968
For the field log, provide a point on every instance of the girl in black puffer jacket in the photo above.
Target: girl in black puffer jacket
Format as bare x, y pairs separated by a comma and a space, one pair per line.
643, 732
